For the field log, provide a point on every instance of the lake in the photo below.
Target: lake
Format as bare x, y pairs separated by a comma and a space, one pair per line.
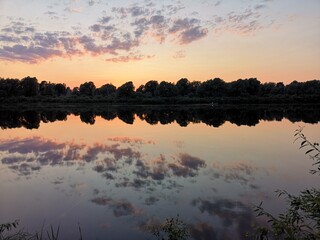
117, 171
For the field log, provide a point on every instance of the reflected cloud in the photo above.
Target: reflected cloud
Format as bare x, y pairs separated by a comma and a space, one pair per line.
187, 165
239, 172
131, 141
232, 214
202, 231
120, 208
151, 200
118, 161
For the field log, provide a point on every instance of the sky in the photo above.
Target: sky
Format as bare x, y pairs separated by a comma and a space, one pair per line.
116, 41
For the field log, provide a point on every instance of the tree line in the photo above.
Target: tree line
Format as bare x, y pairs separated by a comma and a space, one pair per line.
213, 88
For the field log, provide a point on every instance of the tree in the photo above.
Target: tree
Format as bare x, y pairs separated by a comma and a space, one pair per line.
183, 87
166, 89
125, 90
151, 87
212, 88
87, 88
106, 89
60, 89
30, 86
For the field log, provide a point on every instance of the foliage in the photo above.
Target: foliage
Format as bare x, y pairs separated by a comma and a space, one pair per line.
243, 90
171, 229
87, 88
302, 217
312, 149
6, 233
125, 90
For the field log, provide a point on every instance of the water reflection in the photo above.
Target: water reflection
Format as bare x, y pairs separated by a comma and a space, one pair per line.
118, 186
123, 164
212, 116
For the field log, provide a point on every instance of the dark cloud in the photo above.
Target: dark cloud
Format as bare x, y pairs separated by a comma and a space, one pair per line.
188, 30
105, 20
192, 35
183, 24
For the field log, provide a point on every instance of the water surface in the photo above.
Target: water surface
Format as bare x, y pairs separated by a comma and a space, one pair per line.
118, 171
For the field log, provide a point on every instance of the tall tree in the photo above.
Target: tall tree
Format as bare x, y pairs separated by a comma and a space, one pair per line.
87, 88
30, 86
126, 90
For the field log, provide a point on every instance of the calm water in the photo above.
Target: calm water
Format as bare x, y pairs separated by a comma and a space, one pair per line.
118, 171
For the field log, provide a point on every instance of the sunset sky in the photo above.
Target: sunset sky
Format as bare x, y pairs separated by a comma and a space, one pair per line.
115, 41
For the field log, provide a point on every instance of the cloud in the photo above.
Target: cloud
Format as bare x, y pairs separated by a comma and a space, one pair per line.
188, 30
72, 9
25, 44
260, 6
217, 3
27, 53
129, 58
93, 2
245, 23
179, 54
121, 34
192, 35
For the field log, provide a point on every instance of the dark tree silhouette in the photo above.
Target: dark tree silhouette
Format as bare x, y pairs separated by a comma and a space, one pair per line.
126, 90
87, 88
60, 89
30, 86
212, 88
106, 90
183, 87
166, 89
